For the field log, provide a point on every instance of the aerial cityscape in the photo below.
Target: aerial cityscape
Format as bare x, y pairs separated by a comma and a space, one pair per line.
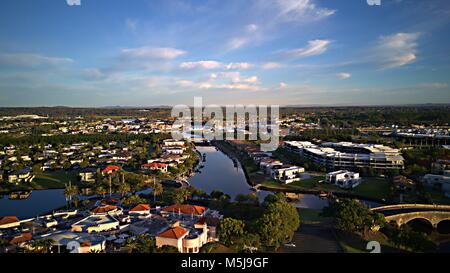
324, 127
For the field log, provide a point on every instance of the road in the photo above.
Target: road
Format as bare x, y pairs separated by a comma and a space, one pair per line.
313, 238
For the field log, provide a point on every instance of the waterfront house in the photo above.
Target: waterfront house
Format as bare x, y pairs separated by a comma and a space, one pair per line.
343, 179
88, 175
287, 174
19, 176
9, 222
163, 167
439, 182
172, 142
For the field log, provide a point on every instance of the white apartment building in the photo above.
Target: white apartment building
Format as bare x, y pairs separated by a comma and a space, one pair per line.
343, 179
346, 155
287, 174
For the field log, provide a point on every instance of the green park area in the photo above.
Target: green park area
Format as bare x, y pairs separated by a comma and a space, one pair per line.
44, 181
371, 187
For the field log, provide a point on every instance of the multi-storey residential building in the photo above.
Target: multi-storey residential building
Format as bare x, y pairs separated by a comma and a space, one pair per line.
287, 174
346, 155
343, 179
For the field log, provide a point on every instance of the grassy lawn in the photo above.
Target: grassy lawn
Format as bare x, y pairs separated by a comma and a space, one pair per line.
374, 187
439, 198
54, 180
312, 216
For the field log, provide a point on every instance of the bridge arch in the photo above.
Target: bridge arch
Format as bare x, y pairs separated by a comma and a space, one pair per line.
421, 224
443, 227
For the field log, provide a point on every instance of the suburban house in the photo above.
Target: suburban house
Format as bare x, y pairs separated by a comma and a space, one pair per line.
163, 167
343, 179
439, 182
88, 175
23, 175
403, 184
268, 164
188, 210
174, 150
185, 240
21, 239
287, 174
173, 142
106, 209
88, 243
96, 223
110, 169
140, 210
9, 222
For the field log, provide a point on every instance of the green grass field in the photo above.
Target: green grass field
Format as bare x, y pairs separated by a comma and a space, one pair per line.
371, 187
54, 180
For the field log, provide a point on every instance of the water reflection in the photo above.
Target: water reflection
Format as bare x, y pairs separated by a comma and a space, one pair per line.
38, 202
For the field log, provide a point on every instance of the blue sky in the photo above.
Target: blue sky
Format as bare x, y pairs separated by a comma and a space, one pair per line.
288, 52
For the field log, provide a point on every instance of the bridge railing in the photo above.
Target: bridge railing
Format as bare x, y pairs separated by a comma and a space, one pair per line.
411, 206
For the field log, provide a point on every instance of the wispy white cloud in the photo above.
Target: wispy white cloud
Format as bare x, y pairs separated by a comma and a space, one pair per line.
315, 47
297, 10
201, 65
153, 52
271, 65
32, 60
344, 75
396, 50
283, 85
210, 65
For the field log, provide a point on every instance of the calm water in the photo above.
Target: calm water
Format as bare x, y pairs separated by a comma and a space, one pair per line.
38, 203
219, 173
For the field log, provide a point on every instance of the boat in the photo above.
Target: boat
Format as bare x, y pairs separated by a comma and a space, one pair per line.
323, 194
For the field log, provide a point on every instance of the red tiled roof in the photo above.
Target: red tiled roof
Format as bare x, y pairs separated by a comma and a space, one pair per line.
201, 221
25, 237
85, 244
103, 209
109, 201
155, 165
8, 220
141, 207
186, 209
173, 233
110, 168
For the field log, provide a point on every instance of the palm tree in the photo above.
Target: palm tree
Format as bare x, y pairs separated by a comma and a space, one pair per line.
124, 189
41, 246
69, 192
101, 191
157, 190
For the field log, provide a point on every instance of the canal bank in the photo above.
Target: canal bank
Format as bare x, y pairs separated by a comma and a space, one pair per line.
262, 183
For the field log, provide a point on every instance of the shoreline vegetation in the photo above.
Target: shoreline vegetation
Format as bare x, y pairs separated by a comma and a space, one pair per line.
366, 190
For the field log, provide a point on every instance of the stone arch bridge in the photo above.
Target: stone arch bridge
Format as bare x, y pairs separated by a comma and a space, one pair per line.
404, 213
